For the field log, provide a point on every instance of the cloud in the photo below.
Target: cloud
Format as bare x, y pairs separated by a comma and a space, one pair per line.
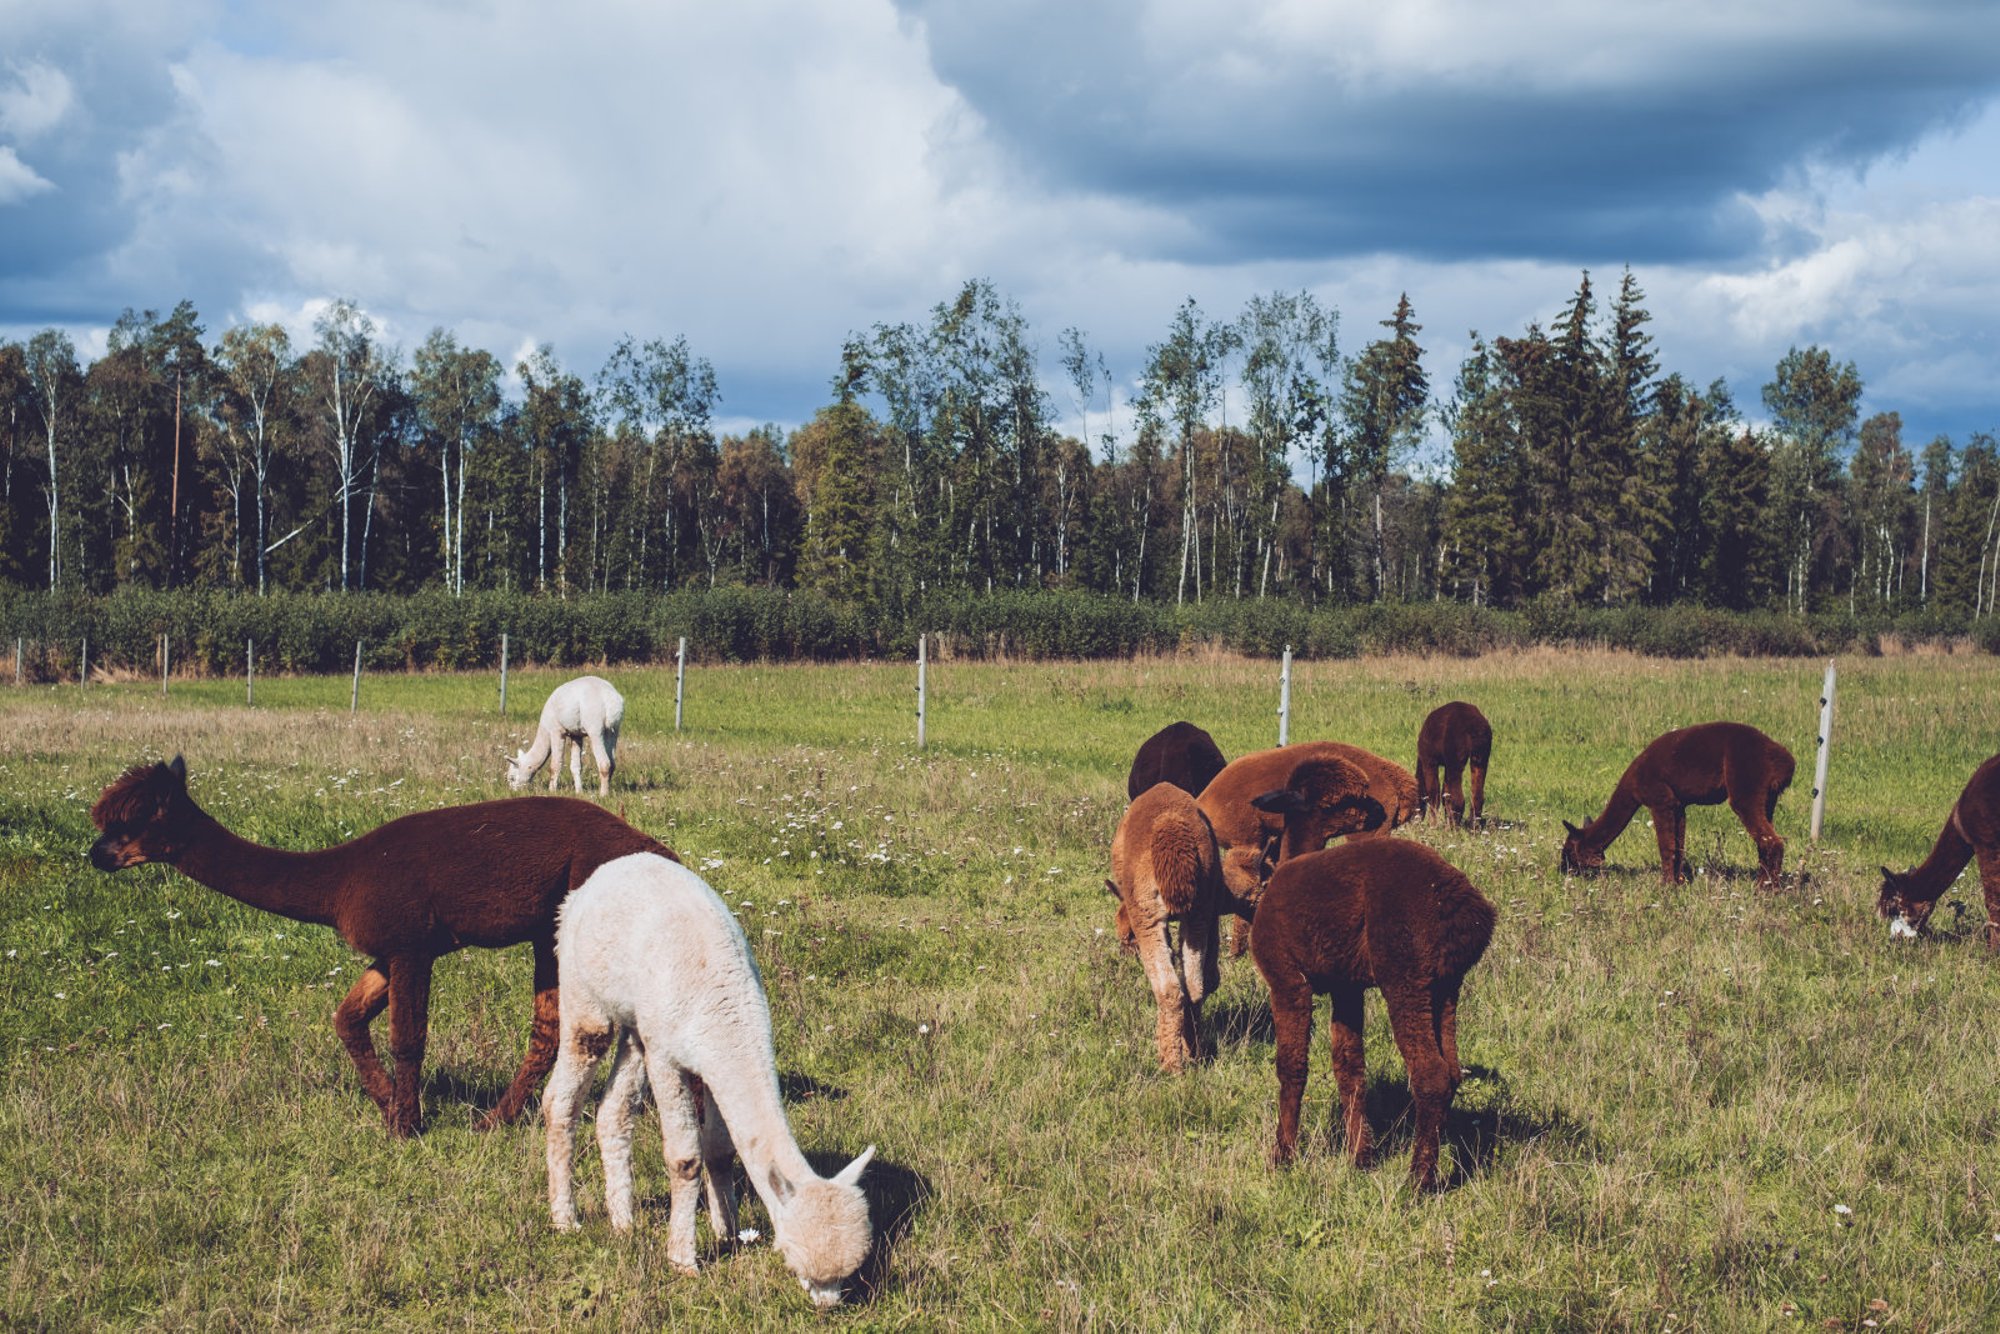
18, 181
1457, 128
35, 102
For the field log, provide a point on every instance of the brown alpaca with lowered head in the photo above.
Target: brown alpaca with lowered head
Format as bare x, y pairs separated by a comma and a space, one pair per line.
1354, 792
1376, 912
1703, 765
1972, 829
1179, 753
489, 874
1165, 868
1454, 736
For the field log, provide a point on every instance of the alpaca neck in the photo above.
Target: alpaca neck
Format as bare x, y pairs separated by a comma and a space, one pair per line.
1948, 857
1295, 841
1601, 832
538, 750
298, 885
754, 1111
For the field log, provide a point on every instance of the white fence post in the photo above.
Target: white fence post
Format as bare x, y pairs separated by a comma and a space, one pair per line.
354, 700
1825, 745
250, 672
1285, 699
920, 692
503, 675
164, 650
680, 678
18, 646
83, 669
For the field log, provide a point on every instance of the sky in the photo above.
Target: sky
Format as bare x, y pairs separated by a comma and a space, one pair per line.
767, 178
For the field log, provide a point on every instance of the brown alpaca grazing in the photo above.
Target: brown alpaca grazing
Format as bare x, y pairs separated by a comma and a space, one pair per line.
1703, 765
1382, 913
1972, 829
1165, 868
1454, 736
1357, 792
489, 874
1179, 753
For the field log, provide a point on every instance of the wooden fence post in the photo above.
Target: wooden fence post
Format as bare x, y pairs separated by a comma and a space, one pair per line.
1825, 745
1285, 699
83, 668
354, 700
680, 678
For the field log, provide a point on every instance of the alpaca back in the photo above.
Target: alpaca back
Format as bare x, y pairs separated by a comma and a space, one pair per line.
646, 943
1164, 849
586, 706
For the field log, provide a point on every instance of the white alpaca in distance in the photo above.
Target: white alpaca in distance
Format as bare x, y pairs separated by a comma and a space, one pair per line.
586, 709
650, 959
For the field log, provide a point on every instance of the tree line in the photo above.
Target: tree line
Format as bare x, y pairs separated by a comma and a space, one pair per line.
1257, 458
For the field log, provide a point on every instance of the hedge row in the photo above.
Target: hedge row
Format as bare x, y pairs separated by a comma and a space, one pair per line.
207, 631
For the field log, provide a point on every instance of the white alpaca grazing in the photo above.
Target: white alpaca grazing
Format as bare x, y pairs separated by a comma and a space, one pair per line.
586, 709
650, 958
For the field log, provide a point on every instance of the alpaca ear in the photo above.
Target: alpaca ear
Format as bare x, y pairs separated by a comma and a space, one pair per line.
780, 1187
1572, 828
851, 1174
1284, 801
1888, 876
178, 768
1112, 885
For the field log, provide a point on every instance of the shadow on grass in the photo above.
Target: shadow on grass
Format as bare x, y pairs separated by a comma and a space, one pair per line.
1236, 1022
1475, 1134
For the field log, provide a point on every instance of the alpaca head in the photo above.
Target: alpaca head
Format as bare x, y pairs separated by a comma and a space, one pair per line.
1245, 871
518, 771
144, 816
822, 1229
1577, 854
1899, 905
1324, 800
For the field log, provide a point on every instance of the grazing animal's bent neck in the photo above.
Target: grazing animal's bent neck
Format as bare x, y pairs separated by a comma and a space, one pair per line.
1599, 834
1949, 855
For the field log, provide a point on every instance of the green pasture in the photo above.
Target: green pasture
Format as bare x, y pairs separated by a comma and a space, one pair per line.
1699, 1107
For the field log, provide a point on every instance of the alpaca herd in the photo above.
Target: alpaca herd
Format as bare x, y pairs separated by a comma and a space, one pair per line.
635, 956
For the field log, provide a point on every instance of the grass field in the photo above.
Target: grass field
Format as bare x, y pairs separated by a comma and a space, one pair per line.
1699, 1107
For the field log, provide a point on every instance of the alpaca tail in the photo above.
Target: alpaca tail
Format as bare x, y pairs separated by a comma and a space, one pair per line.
1177, 862
1465, 925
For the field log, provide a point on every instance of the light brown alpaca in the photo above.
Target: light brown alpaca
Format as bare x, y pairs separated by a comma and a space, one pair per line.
490, 874
1355, 792
1972, 829
1703, 765
1165, 868
1381, 913
1181, 754
1453, 736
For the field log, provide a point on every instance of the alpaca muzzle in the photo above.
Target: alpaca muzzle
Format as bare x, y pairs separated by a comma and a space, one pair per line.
1900, 928
109, 854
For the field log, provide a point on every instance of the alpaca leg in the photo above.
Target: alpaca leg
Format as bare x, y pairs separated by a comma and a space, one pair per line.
568, 1087
1682, 870
1412, 1020
1753, 810
1665, 820
1201, 968
409, 1029
1291, 1023
573, 747
1350, 1070
1478, 812
1239, 938
599, 753
1427, 787
556, 746
1444, 1000
614, 1125
1454, 794
541, 1042
680, 1134
1989, 881
1172, 1027
351, 1020
718, 1162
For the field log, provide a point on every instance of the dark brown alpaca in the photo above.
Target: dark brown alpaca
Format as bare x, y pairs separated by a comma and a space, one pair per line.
1356, 792
1972, 829
1179, 753
1376, 912
490, 874
1454, 736
1703, 765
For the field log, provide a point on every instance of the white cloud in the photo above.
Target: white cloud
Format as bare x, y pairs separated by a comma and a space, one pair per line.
36, 100
18, 180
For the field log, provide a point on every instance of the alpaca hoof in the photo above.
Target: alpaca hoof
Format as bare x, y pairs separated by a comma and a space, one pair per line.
569, 1224
1280, 1156
492, 1120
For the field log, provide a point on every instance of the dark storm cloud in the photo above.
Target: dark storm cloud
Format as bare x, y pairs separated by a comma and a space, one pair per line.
1564, 134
